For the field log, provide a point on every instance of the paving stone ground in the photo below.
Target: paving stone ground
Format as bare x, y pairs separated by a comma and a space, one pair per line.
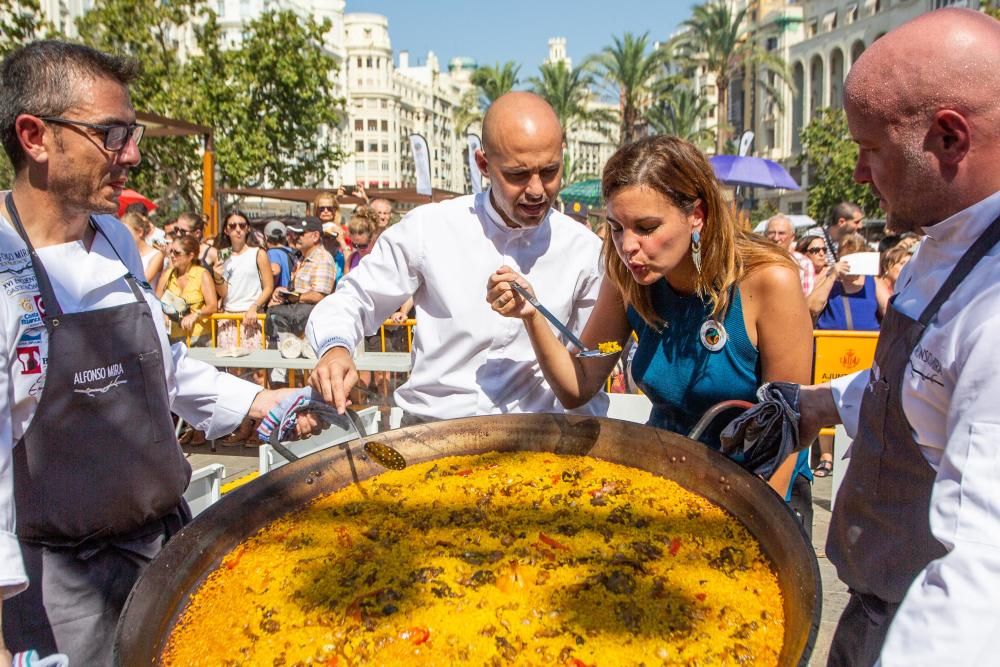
240, 461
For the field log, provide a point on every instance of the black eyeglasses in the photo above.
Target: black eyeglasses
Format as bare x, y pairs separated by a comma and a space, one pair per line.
115, 136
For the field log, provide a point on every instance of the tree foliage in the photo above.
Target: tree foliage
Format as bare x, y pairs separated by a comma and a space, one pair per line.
630, 69
717, 40
829, 155
569, 91
494, 81
270, 101
269, 96
21, 21
679, 114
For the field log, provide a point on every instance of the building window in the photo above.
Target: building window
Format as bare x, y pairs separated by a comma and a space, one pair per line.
811, 28
851, 13
359, 146
385, 147
221, 8
385, 126
372, 147
830, 21
359, 166
772, 43
359, 125
385, 104
385, 165
359, 61
372, 125
368, 62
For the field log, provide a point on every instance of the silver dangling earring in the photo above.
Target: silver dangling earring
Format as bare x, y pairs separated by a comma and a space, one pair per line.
696, 250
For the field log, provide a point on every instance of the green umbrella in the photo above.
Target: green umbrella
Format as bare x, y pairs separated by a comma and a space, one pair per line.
584, 192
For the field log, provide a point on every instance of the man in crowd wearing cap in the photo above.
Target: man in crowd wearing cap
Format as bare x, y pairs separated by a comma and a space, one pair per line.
312, 280
281, 257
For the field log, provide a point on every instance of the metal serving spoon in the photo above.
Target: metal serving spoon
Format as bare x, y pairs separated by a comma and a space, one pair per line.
584, 352
380, 453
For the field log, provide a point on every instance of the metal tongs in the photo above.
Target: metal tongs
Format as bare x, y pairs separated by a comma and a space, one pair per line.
585, 352
380, 453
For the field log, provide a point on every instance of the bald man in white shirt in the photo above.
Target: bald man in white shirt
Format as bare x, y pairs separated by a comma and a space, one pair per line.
915, 531
468, 360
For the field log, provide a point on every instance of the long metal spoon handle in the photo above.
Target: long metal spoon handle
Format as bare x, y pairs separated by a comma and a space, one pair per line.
549, 316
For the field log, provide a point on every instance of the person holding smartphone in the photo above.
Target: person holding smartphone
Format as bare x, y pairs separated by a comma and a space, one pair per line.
313, 279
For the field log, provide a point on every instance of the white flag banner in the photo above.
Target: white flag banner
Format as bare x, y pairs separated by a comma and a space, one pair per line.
421, 164
475, 176
746, 141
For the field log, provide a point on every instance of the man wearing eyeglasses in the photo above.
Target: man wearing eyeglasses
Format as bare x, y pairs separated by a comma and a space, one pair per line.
87, 451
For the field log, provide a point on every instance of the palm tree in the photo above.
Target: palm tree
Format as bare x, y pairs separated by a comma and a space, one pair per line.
631, 70
569, 92
467, 112
494, 81
679, 115
716, 41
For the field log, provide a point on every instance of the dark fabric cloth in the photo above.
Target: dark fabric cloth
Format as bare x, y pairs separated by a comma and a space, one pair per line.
287, 318
861, 631
766, 434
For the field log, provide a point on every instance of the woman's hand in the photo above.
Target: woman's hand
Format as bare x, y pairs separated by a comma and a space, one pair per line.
838, 270
250, 317
187, 322
502, 297
398, 317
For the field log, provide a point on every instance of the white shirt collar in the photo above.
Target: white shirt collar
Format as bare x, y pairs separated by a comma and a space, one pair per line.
498, 221
964, 227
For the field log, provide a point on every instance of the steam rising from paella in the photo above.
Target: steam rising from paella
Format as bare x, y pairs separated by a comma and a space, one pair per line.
514, 558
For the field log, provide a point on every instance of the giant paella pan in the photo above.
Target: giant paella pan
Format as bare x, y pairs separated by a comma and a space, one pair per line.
543, 538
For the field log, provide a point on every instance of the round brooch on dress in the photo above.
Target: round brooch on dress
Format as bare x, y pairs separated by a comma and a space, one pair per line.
713, 335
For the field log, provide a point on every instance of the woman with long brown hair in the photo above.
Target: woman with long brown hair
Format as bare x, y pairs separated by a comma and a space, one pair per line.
190, 281
717, 311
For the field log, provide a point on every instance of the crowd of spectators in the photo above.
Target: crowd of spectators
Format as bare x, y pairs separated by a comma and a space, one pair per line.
838, 299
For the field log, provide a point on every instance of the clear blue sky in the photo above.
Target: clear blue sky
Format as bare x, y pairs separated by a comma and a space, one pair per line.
518, 30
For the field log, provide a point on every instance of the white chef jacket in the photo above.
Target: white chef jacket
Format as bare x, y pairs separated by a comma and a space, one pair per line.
210, 400
467, 359
951, 398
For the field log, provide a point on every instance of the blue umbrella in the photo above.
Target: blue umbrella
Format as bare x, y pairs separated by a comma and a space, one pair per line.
749, 171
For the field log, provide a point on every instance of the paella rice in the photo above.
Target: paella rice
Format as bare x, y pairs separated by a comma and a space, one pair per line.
515, 558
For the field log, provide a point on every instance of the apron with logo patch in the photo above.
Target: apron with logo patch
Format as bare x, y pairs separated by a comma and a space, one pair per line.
880, 537
98, 474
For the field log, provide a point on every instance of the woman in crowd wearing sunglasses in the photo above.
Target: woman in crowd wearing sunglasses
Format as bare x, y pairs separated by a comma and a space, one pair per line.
190, 281
244, 281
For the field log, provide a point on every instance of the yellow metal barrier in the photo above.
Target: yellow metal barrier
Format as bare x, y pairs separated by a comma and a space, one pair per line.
216, 317
839, 353
409, 324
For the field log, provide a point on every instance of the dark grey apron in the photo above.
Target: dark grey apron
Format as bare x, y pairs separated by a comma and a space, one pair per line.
98, 475
880, 537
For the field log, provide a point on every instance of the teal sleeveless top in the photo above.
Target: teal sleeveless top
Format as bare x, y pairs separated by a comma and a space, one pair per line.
682, 377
